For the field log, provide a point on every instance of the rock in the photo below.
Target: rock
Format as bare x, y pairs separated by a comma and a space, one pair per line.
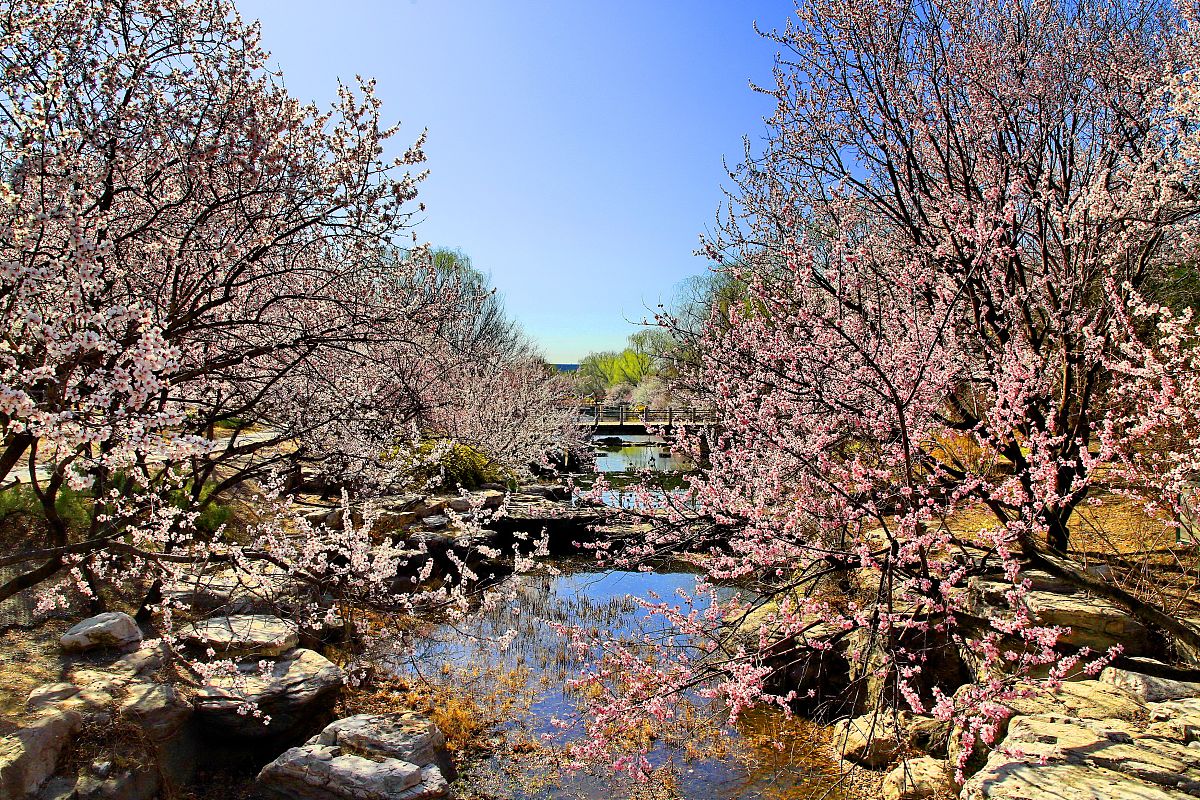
1094, 623
110, 629
148, 658
29, 756
493, 497
321, 772
1089, 700
88, 699
103, 782
50, 694
233, 590
928, 733
1148, 688
259, 635
317, 517
918, 779
1045, 757
364, 757
1175, 719
157, 708
436, 521
60, 787
459, 505
406, 736
869, 740
401, 503
393, 520
291, 693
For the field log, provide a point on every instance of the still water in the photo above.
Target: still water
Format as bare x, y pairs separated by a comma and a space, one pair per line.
764, 756
523, 685
636, 454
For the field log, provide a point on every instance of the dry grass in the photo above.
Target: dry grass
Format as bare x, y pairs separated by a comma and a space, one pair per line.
28, 658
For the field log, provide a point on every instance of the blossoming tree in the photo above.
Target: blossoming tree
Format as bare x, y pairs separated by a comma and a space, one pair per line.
203, 286
951, 243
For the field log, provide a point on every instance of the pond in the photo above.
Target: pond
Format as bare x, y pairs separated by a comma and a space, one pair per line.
523, 684
636, 454
765, 756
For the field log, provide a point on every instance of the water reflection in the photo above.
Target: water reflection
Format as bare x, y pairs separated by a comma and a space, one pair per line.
637, 454
766, 756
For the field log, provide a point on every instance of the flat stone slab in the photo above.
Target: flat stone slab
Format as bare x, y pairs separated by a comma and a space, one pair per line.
287, 693
244, 635
1094, 623
363, 757
322, 772
1053, 758
1149, 688
407, 736
230, 589
29, 756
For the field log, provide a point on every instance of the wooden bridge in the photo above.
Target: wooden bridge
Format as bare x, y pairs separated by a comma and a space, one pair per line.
617, 419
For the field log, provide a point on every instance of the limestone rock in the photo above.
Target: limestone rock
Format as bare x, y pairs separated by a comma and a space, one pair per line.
241, 635
1088, 700
233, 590
364, 757
89, 698
1175, 719
927, 733
50, 694
148, 658
1148, 688
406, 736
1093, 622
157, 708
102, 781
1045, 757
321, 772
918, 779
110, 629
870, 740
290, 692
29, 756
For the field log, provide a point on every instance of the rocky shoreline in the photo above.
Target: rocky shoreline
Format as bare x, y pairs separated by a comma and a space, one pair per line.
120, 726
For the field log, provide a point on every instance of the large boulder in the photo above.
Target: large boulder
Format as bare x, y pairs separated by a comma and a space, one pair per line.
320, 772
1148, 688
1089, 700
233, 590
364, 757
1094, 623
871, 740
244, 635
104, 780
918, 779
291, 693
29, 756
112, 629
1046, 757
404, 735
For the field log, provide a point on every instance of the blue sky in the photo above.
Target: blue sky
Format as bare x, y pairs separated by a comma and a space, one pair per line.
575, 149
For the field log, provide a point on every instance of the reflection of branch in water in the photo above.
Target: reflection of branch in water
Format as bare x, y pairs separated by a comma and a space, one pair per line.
697, 754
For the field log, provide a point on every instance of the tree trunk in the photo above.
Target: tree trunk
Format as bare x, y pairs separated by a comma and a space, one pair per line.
31, 578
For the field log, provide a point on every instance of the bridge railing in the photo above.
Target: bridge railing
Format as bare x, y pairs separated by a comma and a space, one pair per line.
601, 414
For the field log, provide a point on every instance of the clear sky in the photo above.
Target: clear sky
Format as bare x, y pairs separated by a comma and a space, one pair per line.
575, 148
